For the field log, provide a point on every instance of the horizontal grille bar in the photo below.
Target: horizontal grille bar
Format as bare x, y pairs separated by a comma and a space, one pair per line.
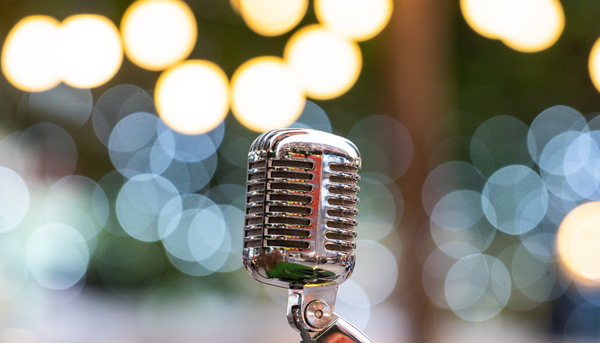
291, 175
289, 232
288, 244
291, 186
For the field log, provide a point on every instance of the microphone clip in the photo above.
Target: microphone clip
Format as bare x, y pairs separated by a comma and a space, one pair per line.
311, 312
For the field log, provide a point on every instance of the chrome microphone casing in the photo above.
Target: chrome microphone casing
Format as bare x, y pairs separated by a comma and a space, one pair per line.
299, 228
300, 208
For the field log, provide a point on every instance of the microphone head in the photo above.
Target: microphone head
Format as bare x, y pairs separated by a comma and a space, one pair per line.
300, 208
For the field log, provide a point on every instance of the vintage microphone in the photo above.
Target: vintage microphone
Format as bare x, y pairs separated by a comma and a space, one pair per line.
299, 228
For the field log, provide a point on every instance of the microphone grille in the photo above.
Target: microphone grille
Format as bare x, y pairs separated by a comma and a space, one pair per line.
301, 207
279, 198
341, 207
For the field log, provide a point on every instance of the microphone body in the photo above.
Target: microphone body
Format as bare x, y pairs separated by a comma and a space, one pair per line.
299, 227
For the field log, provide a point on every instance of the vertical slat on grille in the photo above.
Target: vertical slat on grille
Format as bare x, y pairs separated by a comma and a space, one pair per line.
341, 210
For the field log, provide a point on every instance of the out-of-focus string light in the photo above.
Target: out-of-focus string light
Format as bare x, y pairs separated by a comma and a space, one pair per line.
26, 54
544, 26
88, 50
193, 97
159, 33
479, 15
578, 241
271, 17
265, 94
356, 19
326, 63
594, 64
523, 25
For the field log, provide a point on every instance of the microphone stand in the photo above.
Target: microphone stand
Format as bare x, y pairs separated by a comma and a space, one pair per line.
310, 311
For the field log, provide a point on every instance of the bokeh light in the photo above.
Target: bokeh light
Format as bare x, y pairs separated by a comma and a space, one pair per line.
352, 303
448, 177
580, 165
141, 153
594, 64
356, 19
458, 210
88, 50
544, 25
515, 199
437, 265
57, 256
498, 142
14, 199
272, 17
550, 124
234, 218
190, 148
477, 287
265, 94
139, 214
478, 236
13, 268
326, 63
534, 278
158, 33
523, 25
27, 54
479, 15
175, 224
578, 241
378, 273
193, 97
63, 105
117, 103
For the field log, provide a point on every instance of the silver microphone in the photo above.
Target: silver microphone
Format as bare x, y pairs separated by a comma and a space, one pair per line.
299, 227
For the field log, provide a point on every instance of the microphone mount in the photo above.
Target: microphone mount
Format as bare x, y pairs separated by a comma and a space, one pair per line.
311, 312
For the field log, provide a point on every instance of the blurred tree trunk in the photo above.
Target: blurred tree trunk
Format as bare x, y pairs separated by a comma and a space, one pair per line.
420, 41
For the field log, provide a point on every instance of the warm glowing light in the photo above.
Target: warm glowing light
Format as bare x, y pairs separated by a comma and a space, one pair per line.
87, 51
542, 29
158, 33
272, 17
26, 61
578, 240
356, 19
524, 25
594, 64
326, 63
265, 94
192, 97
479, 15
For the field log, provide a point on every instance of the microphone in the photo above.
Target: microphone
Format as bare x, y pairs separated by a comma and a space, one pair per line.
299, 226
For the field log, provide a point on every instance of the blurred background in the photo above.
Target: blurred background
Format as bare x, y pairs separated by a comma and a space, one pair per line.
124, 132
